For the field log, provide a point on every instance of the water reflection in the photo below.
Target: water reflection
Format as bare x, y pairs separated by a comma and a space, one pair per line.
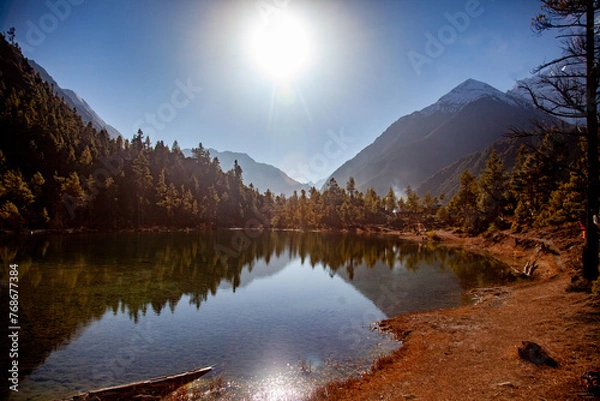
69, 281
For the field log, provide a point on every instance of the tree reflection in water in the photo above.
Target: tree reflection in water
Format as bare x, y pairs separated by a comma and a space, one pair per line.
68, 281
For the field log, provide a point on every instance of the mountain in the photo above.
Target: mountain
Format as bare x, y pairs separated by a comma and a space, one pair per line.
466, 120
447, 179
75, 101
548, 96
261, 175
318, 183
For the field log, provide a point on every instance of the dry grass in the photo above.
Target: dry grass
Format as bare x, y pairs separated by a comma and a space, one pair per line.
383, 362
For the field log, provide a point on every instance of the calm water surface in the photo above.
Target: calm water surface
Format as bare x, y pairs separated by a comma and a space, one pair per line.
263, 308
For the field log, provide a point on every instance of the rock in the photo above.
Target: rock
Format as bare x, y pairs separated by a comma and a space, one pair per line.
534, 353
591, 382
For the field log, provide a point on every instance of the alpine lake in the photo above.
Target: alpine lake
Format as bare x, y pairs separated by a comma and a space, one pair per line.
275, 313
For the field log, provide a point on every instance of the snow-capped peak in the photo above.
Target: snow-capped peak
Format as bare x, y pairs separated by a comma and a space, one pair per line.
465, 93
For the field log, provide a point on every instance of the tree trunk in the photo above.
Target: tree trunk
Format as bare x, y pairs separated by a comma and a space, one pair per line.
590, 253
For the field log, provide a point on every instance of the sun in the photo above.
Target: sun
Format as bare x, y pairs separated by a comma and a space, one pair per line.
280, 46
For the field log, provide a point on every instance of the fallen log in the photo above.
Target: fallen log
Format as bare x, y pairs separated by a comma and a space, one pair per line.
148, 389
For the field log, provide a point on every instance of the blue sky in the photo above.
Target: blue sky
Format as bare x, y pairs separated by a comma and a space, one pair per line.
184, 70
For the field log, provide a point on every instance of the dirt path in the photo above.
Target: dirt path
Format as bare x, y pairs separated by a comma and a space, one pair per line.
470, 353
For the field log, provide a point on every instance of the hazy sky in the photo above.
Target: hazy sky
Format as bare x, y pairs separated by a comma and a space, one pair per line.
186, 70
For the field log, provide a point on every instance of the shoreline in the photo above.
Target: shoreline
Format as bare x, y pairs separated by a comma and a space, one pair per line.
471, 352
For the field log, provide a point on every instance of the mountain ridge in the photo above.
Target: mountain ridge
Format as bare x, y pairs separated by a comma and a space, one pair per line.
447, 179
467, 119
262, 176
87, 113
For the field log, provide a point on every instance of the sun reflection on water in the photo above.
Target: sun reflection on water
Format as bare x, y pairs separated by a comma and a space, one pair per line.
295, 382
281, 387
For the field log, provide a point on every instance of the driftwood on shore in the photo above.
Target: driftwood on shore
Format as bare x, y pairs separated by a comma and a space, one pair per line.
528, 270
148, 389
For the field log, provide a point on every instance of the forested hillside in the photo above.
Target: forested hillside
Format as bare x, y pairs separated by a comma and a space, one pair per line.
57, 172
546, 186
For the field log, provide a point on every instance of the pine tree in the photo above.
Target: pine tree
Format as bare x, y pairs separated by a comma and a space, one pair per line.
462, 208
413, 202
372, 206
315, 209
143, 184
333, 198
389, 201
303, 210
15, 200
201, 155
492, 184
536, 175
567, 202
188, 213
71, 198
351, 187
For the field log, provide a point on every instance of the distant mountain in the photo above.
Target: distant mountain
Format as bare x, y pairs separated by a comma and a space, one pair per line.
75, 101
261, 175
466, 120
546, 95
318, 183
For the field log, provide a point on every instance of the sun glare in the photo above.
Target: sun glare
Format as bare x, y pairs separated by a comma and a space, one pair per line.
280, 46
